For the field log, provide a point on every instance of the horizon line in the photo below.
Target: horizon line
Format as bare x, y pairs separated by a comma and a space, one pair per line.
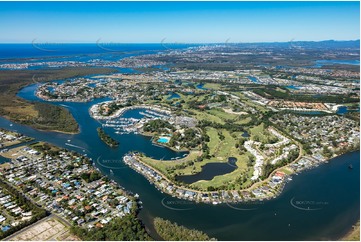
175, 43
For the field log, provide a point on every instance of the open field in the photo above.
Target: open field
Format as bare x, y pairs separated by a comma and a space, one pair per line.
214, 86
49, 229
226, 147
5, 143
13, 153
261, 134
222, 114
162, 165
248, 102
214, 141
5, 166
208, 116
229, 110
243, 121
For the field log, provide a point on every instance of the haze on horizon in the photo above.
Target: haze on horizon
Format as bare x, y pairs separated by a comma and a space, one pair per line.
178, 22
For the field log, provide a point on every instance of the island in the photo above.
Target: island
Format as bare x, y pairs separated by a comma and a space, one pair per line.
43, 116
106, 138
227, 131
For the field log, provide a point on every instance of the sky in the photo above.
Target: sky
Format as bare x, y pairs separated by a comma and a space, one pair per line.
177, 22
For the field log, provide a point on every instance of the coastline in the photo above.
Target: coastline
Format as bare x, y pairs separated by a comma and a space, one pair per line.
94, 110
40, 129
197, 195
45, 98
146, 134
154, 176
353, 234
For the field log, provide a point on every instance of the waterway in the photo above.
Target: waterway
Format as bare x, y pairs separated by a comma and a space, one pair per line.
209, 171
320, 63
253, 79
173, 95
293, 87
201, 86
344, 109
329, 194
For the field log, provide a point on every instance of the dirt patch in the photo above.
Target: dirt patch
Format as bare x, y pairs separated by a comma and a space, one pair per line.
49, 229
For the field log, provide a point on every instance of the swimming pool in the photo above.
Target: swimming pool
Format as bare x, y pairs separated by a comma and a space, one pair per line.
163, 140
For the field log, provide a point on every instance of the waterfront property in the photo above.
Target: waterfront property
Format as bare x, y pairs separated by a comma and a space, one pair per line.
64, 183
8, 138
211, 122
163, 140
263, 191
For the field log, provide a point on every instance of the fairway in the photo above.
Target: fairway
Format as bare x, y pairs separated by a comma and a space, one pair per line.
259, 133
214, 141
222, 114
228, 181
208, 117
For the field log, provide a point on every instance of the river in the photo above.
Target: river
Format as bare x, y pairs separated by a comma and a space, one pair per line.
319, 204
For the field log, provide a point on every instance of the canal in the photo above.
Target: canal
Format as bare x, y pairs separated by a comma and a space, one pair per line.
319, 204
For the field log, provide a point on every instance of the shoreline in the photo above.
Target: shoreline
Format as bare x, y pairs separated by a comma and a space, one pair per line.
197, 196
47, 99
156, 178
40, 129
353, 234
93, 110
146, 134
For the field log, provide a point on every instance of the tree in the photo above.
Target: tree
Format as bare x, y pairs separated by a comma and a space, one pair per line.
172, 231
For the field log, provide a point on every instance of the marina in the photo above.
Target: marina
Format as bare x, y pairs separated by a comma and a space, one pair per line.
319, 184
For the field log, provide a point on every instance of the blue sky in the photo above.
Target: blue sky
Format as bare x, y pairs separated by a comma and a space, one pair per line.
181, 22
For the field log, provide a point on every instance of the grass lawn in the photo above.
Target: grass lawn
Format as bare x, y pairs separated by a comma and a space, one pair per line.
201, 98
162, 165
226, 179
244, 120
13, 153
213, 140
221, 149
281, 90
207, 116
227, 146
286, 170
248, 102
215, 86
40, 146
261, 133
222, 114
23, 109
